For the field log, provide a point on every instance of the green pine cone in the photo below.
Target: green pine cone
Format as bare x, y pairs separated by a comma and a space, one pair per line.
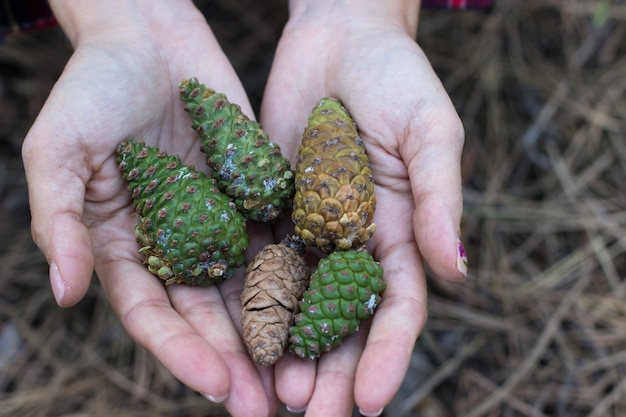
188, 230
344, 290
248, 167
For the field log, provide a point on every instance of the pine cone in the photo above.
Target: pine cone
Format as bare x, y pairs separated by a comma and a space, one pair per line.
334, 202
275, 282
344, 290
188, 230
248, 167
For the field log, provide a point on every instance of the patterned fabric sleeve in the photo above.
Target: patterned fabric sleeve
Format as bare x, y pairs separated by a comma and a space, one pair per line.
458, 4
22, 15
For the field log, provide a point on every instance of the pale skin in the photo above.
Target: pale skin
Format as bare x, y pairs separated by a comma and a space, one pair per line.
122, 82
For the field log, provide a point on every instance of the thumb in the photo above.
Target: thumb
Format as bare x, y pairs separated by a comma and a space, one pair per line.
435, 177
56, 193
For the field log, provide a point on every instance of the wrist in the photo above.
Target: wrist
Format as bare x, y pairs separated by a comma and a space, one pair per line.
81, 19
403, 14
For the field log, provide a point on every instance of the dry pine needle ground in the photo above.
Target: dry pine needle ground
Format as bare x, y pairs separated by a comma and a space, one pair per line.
538, 329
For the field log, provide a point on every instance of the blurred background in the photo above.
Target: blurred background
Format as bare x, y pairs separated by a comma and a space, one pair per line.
538, 329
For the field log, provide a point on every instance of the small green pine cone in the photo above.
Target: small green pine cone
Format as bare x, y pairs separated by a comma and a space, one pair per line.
248, 167
344, 290
188, 230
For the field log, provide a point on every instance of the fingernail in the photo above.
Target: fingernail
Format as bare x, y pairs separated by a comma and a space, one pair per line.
376, 414
216, 399
58, 287
295, 410
461, 258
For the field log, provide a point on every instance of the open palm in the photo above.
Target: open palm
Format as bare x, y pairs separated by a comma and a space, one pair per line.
413, 138
119, 86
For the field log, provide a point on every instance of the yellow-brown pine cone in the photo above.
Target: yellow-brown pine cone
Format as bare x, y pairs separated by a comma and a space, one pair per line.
334, 202
275, 282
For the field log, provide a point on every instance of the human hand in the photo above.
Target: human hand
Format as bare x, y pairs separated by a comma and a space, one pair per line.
122, 82
364, 53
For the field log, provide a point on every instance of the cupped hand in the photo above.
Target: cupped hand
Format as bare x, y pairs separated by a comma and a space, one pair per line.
413, 138
122, 82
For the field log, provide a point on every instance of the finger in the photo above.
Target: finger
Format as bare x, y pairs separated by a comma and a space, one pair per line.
230, 291
56, 186
200, 308
395, 326
334, 383
434, 156
267, 379
295, 381
141, 302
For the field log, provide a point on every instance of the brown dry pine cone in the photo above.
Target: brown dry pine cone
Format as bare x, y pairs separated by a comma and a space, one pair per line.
275, 282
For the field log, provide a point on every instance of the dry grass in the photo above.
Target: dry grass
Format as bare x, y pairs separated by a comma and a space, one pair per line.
539, 328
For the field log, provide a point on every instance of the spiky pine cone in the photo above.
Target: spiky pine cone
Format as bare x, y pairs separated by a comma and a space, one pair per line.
344, 290
188, 230
275, 281
248, 167
334, 202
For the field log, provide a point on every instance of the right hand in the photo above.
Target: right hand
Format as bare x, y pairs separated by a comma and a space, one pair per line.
364, 53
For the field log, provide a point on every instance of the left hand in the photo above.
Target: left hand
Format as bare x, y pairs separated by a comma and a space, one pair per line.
121, 83
366, 56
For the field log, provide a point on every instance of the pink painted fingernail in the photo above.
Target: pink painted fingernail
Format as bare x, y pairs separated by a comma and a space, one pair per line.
461, 257
58, 287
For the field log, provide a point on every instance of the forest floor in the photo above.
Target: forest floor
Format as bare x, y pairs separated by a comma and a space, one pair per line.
539, 327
